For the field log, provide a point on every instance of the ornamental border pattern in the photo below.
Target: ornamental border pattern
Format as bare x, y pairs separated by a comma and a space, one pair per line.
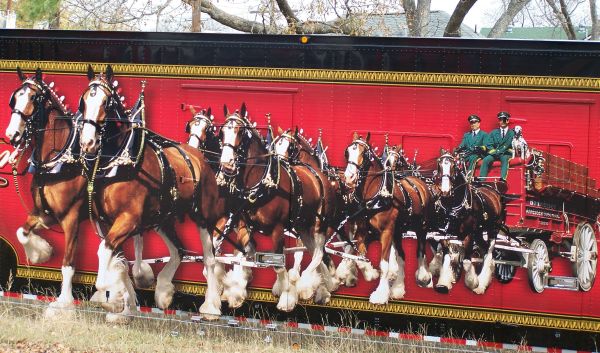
428, 310
486, 81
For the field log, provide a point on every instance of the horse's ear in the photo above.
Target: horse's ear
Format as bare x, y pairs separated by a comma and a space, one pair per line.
21, 75
368, 137
279, 130
208, 114
243, 111
442, 151
38, 74
90, 72
225, 110
355, 136
296, 131
109, 73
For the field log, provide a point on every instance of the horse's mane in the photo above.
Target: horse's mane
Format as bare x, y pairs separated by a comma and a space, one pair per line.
374, 156
55, 100
305, 143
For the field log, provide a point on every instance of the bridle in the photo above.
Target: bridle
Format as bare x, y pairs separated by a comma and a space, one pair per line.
367, 155
240, 150
38, 99
394, 157
292, 149
112, 104
450, 158
196, 120
40, 93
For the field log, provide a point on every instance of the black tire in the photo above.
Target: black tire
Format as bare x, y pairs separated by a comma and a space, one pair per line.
8, 264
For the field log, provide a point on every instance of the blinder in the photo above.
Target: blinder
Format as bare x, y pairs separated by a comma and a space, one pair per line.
81, 104
12, 101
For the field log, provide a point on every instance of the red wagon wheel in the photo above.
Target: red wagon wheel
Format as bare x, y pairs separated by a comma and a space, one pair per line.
586, 256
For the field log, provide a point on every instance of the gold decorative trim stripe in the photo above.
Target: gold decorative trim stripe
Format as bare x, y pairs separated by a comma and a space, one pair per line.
409, 308
578, 84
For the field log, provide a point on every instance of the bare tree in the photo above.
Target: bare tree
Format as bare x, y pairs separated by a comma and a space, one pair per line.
594, 18
417, 16
457, 18
563, 15
513, 8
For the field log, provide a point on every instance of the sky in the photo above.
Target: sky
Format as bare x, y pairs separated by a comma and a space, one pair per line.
478, 15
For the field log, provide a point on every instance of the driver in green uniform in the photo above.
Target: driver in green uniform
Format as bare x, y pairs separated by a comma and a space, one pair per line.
473, 142
498, 145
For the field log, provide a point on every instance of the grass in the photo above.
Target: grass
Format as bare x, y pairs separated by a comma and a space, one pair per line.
86, 331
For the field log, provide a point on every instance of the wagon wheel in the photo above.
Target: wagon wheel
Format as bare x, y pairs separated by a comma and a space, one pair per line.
505, 273
538, 265
586, 256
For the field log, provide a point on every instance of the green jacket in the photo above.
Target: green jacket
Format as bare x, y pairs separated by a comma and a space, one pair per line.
496, 145
469, 143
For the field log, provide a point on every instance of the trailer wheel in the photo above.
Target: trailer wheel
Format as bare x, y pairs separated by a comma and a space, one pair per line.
505, 273
586, 256
538, 265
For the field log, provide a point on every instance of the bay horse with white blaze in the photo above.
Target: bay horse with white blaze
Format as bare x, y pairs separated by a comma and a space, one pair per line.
296, 150
165, 181
388, 208
270, 196
39, 118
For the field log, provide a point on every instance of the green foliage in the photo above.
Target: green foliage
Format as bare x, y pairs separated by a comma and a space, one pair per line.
32, 11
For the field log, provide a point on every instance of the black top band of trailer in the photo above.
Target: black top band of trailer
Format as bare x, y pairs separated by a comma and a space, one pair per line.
439, 55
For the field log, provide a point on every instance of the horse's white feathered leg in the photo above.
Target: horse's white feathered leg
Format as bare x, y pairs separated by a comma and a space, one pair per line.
143, 276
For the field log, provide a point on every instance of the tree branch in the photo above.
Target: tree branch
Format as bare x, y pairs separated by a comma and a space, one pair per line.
457, 18
514, 7
594, 16
288, 13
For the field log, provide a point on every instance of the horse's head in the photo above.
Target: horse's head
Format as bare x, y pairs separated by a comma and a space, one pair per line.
359, 155
200, 127
24, 103
235, 134
394, 159
285, 145
98, 103
446, 171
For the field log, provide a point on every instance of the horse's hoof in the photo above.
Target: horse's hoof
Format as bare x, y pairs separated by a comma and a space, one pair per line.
379, 298
479, 290
287, 302
163, 296
98, 297
113, 307
398, 293
143, 276
442, 289
237, 296
59, 311
322, 296
425, 284
209, 312
118, 319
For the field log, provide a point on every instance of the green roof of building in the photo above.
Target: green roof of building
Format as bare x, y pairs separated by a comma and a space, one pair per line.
539, 32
